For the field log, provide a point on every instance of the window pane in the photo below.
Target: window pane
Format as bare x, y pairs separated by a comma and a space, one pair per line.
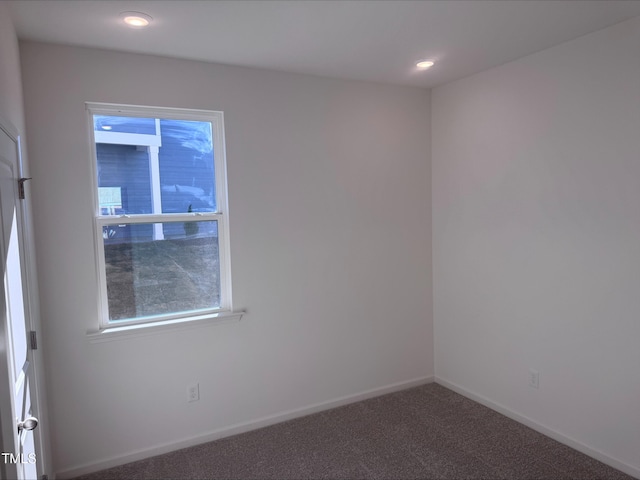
161, 268
178, 176
186, 166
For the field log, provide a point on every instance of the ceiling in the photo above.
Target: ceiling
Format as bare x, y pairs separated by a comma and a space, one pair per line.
363, 39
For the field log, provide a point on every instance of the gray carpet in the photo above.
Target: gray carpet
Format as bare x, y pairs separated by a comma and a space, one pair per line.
428, 432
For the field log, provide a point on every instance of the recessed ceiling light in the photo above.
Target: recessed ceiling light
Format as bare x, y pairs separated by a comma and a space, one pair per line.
136, 19
424, 64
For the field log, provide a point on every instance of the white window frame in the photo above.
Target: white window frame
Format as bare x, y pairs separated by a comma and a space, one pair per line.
216, 118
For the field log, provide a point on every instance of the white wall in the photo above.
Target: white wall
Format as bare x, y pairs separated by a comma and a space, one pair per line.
12, 111
10, 87
536, 229
330, 238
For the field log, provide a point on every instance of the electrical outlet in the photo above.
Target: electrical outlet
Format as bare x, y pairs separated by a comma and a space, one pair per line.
193, 392
534, 378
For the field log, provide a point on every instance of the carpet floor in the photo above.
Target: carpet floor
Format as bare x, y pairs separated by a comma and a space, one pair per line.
427, 432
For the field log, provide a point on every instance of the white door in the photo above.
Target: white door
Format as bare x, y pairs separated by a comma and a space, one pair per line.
17, 412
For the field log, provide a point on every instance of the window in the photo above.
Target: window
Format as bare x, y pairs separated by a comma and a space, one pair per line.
161, 223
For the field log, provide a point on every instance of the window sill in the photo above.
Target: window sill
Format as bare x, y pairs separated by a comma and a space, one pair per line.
141, 329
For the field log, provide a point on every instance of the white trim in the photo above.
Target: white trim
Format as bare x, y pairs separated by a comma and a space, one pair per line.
240, 428
104, 220
98, 243
143, 111
8, 407
165, 319
156, 191
153, 328
37, 386
222, 206
549, 432
120, 138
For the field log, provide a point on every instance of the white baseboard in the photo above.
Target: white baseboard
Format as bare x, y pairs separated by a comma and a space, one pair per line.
237, 428
549, 432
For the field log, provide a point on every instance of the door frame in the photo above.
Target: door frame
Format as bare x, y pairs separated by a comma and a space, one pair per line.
32, 313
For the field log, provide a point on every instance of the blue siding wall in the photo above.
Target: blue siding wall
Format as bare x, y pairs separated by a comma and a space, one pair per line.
186, 167
126, 167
